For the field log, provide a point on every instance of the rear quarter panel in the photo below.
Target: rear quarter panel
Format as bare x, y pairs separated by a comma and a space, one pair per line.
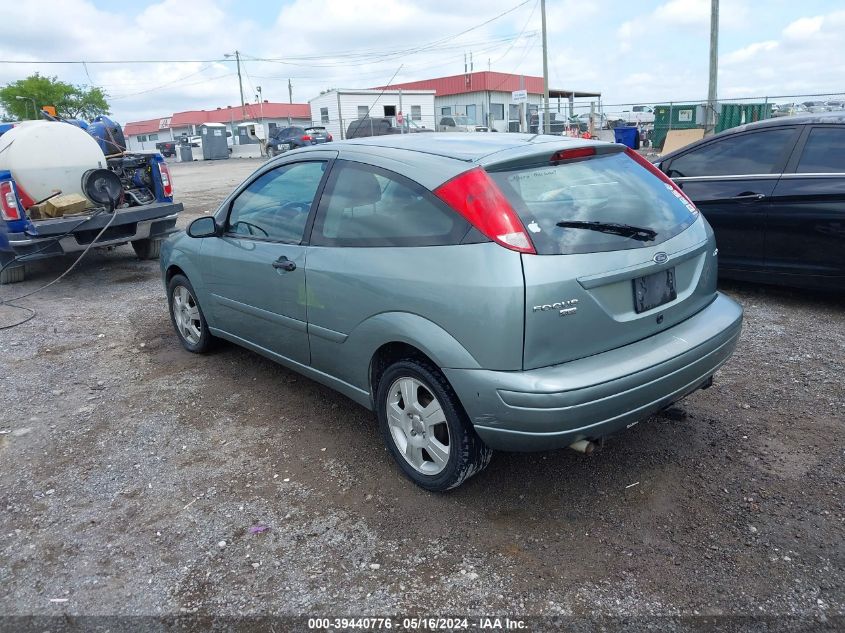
461, 305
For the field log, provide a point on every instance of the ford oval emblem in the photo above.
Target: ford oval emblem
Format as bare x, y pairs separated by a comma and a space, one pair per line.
660, 258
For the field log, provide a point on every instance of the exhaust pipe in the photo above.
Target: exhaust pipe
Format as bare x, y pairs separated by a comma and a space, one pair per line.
583, 446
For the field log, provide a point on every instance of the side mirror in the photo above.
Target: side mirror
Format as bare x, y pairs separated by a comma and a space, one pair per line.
203, 227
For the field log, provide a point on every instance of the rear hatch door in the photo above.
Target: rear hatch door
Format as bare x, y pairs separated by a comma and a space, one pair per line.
620, 254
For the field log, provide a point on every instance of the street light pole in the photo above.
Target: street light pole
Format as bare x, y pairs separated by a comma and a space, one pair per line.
546, 127
26, 106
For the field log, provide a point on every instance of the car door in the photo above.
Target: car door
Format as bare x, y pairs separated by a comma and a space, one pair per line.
731, 178
255, 271
805, 232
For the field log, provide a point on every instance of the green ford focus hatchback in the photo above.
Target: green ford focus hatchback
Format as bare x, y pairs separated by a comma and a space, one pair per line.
479, 292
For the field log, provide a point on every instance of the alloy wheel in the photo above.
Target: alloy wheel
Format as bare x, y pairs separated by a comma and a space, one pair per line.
418, 426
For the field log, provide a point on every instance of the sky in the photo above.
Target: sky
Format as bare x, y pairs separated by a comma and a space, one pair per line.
632, 51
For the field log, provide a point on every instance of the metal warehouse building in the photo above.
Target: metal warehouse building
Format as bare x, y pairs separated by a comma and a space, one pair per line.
485, 97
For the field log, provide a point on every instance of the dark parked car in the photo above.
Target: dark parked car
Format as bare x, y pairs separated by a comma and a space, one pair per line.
774, 193
167, 148
293, 137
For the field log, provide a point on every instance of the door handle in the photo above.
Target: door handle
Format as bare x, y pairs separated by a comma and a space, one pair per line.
284, 263
749, 196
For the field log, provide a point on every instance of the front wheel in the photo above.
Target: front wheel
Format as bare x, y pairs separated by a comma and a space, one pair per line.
425, 427
186, 315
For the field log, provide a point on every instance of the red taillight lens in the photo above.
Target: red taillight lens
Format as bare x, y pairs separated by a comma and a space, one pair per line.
569, 154
166, 182
475, 196
9, 208
674, 188
305, 137
330, 137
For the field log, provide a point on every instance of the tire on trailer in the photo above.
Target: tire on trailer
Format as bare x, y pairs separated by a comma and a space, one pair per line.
147, 248
13, 275
429, 435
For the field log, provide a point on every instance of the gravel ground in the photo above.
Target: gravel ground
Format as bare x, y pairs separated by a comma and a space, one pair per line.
133, 471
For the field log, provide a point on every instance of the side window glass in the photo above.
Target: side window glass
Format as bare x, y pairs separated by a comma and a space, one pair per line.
824, 152
754, 153
369, 206
276, 205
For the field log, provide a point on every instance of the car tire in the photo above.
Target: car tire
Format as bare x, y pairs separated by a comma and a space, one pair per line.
12, 274
438, 454
147, 248
181, 299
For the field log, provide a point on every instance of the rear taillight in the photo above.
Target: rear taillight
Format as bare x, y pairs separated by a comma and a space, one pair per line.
670, 184
329, 137
475, 196
9, 208
305, 137
166, 182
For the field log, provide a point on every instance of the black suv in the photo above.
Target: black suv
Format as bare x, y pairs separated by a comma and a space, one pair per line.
293, 137
774, 193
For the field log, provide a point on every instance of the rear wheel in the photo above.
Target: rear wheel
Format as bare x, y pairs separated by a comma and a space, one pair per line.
425, 427
186, 315
147, 248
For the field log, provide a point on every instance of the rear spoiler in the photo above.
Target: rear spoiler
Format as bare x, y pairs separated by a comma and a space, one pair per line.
542, 154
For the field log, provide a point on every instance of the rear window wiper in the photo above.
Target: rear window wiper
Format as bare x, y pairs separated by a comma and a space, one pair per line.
625, 230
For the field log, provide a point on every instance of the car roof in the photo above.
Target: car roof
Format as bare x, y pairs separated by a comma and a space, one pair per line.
476, 147
818, 118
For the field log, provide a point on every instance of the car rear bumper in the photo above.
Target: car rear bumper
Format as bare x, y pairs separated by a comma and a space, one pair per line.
552, 407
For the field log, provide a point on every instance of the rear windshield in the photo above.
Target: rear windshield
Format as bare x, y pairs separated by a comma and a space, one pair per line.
610, 189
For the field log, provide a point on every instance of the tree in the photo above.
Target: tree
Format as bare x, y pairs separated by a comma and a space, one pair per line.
70, 101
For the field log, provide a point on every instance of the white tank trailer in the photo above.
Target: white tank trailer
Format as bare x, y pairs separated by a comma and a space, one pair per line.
45, 157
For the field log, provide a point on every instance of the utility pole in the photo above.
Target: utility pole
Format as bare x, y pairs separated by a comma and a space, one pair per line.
290, 92
237, 56
546, 126
714, 64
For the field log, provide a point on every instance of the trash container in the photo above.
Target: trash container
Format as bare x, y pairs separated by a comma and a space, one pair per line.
628, 136
186, 154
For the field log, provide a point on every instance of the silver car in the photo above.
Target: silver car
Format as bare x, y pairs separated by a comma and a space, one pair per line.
478, 292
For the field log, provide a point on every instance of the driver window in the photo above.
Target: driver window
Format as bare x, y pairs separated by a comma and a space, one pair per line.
275, 206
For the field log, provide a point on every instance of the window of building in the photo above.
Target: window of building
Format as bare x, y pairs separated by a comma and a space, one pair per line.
416, 113
498, 111
363, 111
275, 205
446, 111
152, 137
390, 110
324, 115
370, 206
142, 138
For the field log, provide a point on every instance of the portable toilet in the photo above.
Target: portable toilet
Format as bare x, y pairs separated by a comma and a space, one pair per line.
248, 133
214, 145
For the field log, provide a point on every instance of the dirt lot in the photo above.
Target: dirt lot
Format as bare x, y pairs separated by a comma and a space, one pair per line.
132, 471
